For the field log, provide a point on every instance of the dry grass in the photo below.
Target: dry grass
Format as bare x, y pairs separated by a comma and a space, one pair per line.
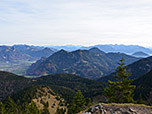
126, 104
51, 99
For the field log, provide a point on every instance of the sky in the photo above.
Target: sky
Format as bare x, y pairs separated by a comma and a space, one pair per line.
76, 22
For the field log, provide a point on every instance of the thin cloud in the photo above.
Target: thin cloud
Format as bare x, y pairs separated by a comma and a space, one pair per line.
76, 22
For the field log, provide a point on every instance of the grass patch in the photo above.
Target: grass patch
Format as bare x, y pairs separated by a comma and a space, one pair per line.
127, 104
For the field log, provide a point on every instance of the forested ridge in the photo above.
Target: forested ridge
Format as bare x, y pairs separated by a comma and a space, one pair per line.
27, 95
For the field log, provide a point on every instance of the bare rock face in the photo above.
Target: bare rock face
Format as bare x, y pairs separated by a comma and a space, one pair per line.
119, 109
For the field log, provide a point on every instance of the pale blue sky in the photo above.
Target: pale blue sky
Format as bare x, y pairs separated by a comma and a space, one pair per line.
76, 22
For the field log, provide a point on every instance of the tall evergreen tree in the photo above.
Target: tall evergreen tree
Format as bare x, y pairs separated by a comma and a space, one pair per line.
33, 108
120, 91
2, 108
11, 107
77, 104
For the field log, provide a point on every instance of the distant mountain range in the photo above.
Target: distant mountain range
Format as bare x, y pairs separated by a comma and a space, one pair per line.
92, 63
66, 47
34, 51
140, 54
17, 53
136, 69
26, 52
12, 55
128, 49
18, 58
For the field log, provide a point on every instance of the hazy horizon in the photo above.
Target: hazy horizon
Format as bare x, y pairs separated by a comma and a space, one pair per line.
69, 45
76, 22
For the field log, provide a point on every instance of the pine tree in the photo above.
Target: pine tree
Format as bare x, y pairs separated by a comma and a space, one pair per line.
77, 104
60, 111
2, 108
11, 107
140, 100
45, 108
88, 102
120, 91
33, 108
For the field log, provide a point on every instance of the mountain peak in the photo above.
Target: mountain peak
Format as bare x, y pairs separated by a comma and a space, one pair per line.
140, 54
46, 48
63, 51
96, 50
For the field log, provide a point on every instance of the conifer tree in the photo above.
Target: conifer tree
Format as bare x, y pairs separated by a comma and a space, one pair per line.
88, 102
2, 108
120, 91
33, 108
11, 106
45, 110
77, 104
140, 100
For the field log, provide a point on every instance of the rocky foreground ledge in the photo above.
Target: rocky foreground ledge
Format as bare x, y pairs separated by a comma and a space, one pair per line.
118, 109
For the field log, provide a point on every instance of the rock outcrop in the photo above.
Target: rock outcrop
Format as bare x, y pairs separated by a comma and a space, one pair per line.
119, 109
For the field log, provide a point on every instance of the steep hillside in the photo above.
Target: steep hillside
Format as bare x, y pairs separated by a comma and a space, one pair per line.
91, 63
18, 58
34, 51
80, 62
89, 87
42, 96
116, 57
136, 69
12, 55
11, 83
64, 85
144, 87
49, 98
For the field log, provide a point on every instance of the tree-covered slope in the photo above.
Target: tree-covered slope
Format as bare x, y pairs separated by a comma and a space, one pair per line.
144, 86
11, 83
67, 84
63, 84
91, 63
136, 69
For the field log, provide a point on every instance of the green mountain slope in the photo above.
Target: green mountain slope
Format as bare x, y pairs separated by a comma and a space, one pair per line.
89, 87
144, 86
86, 63
136, 69
11, 83
64, 85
